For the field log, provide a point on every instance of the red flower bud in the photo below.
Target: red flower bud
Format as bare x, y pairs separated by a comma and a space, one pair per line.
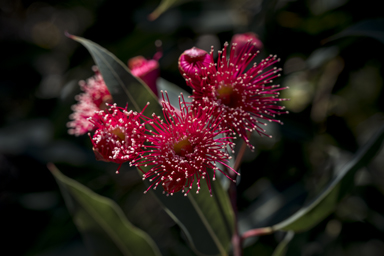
193, 61
243, 45
146, 70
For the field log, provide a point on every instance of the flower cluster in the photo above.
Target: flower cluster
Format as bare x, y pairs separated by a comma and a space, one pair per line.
244, 97
229, 97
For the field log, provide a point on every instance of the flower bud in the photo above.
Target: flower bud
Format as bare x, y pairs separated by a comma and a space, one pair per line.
192, 61
249, 41
146, 70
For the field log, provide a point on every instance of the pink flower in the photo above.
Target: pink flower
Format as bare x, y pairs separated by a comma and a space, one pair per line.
244, 98
119, 135
94, 98
183, 147
241, 41
146, 70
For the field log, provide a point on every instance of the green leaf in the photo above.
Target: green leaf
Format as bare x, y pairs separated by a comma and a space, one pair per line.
104, 228
372, 28
207, 222
123, 86
163, 6
325, 203
281, 249
172, 90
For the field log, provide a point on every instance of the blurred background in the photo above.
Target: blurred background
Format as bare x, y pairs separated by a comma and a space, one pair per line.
332, 59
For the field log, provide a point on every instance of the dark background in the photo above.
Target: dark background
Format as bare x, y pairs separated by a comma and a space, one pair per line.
336, 92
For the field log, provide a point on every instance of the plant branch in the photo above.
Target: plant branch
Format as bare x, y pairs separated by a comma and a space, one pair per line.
239, 157
236, 239
256, 232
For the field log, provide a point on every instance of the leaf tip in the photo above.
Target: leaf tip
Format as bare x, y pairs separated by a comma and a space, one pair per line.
66, 33
154, 15
51, 167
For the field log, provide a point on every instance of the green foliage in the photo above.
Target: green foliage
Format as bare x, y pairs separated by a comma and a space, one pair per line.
370, 28
164, 5
326, 202
105, 229
281, 249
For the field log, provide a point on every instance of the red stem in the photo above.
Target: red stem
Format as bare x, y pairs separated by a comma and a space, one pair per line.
256, 232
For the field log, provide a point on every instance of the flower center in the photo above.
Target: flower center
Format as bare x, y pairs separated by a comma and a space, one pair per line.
119, 134
226, 94
183, 147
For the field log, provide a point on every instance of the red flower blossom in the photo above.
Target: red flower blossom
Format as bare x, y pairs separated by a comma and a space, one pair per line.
119, 135
94, 98
183, 147
243, 97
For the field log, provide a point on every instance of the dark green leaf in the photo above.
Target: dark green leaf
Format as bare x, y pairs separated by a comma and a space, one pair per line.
370, 28
105, 229
172, 90
281, 249
325, 203
163, 6
123, 86
207, 221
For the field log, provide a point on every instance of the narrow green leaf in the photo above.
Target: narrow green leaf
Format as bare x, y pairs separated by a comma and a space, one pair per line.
281, 249
207, 222
105, 229
123, 86
163, 6
372, 28
172, 90
325, 203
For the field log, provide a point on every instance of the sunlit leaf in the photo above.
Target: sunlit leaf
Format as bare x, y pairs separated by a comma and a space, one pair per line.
372, 28
105, 229
326, 202
281, 249
207, 221
163, 6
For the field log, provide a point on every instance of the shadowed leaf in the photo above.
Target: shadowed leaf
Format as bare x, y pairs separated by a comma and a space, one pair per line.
172, 90
326, 202
281, 249
104, 228
207, 221
370, 28
163, 6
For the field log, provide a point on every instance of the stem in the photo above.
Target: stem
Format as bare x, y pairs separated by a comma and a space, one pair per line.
239, 157
236, 239
256, 232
